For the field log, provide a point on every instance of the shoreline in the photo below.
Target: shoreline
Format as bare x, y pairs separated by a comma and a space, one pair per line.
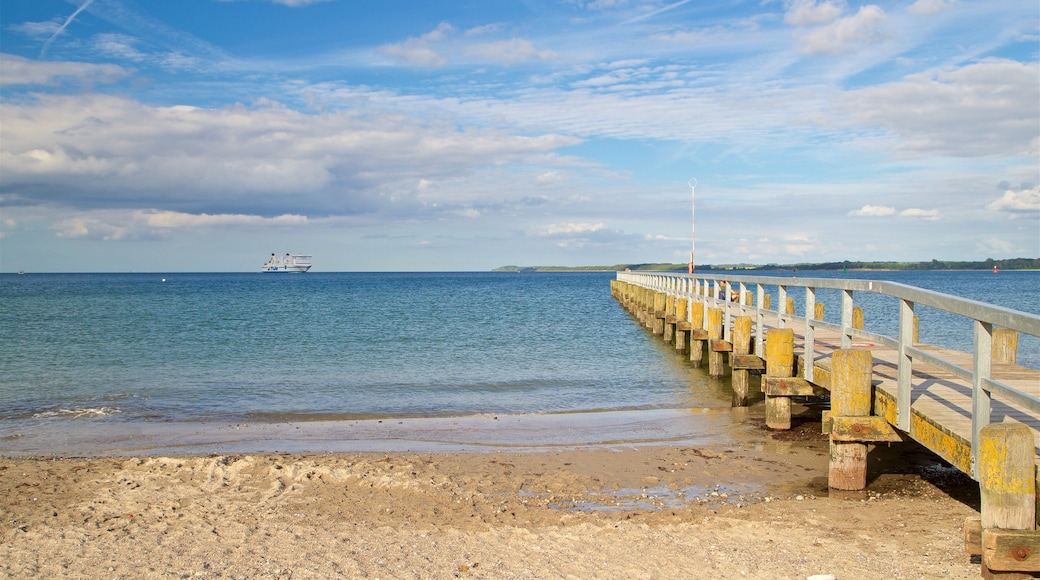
652, 511
110, 436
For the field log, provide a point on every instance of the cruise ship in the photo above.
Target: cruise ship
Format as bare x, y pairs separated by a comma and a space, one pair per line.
293, 263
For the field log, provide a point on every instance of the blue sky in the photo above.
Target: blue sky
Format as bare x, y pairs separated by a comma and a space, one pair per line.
202, 135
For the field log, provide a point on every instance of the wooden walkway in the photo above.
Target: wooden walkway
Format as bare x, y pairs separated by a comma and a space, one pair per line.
941, 402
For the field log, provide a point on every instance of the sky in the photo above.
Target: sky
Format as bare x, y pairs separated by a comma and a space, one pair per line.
425, 135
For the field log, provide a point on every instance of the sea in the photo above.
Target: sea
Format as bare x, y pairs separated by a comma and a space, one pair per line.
217, 362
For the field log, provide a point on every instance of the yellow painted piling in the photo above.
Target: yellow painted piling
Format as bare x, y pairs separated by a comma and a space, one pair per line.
790, 306
682, 325
779, 363
852, 370
658, 315
715, 359
818, 311
857, 317
1005, 346
741, 339
1007, 485
697, 333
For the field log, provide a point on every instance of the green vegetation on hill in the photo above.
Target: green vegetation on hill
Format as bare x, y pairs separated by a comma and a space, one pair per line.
1008, 264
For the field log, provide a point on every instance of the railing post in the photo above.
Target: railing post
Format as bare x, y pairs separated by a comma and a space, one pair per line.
781, 305
809, 348
847, 318
980, 398
904, 390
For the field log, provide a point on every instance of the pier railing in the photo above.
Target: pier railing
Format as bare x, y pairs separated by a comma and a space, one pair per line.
739, 295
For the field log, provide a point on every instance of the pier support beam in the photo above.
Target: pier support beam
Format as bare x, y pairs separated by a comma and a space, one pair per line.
697, 333
716, 368
682, 325
852, 370
741, 340
1010, 543
779, 364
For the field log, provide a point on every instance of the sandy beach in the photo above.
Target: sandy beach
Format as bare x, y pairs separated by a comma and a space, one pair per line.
660, 511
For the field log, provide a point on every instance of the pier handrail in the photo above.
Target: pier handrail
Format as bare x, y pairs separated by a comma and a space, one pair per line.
715, 287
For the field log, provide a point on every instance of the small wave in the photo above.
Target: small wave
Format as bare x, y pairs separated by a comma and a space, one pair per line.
84, 413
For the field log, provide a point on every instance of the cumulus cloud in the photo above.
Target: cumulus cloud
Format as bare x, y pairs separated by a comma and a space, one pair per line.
568, 229
442, 46
811, 12
864, 28
93, 151
929, 7
982, 109
1017, 202
922, 214
17, 70
131, 225
873, 211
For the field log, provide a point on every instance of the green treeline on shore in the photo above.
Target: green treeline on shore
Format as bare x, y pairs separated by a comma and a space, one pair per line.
989, 264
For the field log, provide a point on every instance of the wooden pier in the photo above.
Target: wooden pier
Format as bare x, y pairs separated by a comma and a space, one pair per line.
978, 410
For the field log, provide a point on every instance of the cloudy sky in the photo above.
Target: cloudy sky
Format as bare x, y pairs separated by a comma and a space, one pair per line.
416, 135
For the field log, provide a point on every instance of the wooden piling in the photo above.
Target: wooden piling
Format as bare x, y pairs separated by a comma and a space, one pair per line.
790, 306
1005, 346
852, 370
818, 311
682, 325
669, 318
779, 363
697, 333
857, 317
767, 302
741, 339
658, 313
715, 359
1007, 485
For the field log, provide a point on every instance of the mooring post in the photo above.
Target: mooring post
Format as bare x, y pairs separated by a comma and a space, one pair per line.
818, 311
715, 359
779, 363
741, 340
1007, 485
697, 333
852, 371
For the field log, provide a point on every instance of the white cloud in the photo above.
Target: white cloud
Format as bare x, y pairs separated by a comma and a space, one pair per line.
16, 70
1022, 201
568, 229
420, 50
873, 211
811, 12
101, 151
922, 214
929, 7
982, 109
507, 51
130, 225
864, 28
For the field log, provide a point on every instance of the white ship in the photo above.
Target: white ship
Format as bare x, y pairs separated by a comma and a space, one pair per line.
296, 263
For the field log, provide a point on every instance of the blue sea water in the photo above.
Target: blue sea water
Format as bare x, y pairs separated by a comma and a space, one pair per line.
137, 349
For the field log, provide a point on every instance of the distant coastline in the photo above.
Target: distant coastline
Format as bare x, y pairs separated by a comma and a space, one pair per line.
1008, 264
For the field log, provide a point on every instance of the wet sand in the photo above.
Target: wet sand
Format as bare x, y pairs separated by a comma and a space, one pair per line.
743, 508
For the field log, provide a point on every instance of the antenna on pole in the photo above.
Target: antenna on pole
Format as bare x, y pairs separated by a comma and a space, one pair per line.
693, 220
